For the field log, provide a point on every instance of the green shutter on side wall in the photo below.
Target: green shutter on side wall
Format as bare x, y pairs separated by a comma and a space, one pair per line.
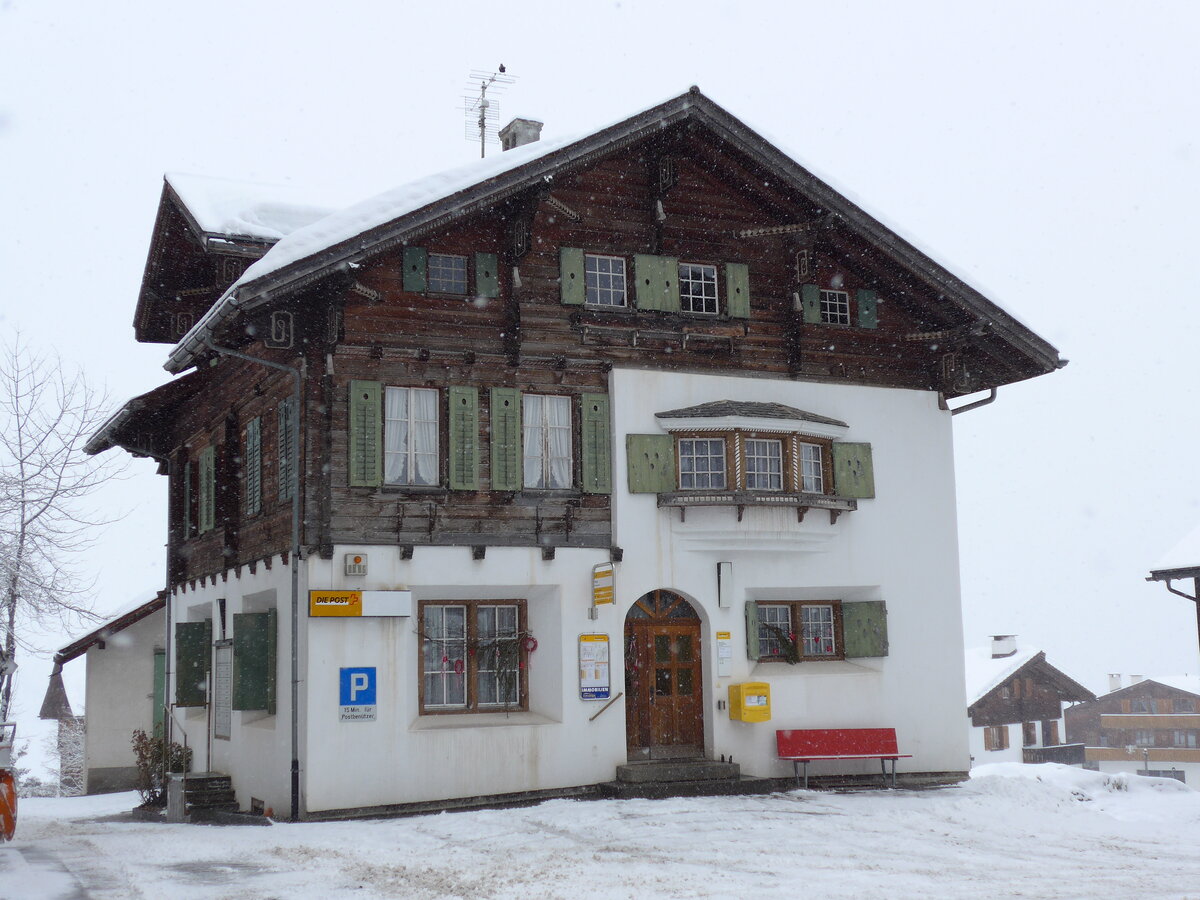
253, 467
648, 280
187, 499
572, 289
864, 626
365, 446
597, 445
651, 462
737, 290
193, 659
810, 298
506, 439
250, 660
208, 488
272, 657
853, 470
868, 312
415, 262
752, 649
669, 270
286, 448
464, 438
487, 275
160, 690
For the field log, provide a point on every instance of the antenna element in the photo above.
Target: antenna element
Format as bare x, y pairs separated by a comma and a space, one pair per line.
482, 111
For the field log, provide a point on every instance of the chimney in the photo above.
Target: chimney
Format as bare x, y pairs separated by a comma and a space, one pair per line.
1114, 682
520, 132
1003, 645
1136, 679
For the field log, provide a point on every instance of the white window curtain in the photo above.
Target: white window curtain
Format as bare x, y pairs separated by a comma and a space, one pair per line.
547, 441
410, 436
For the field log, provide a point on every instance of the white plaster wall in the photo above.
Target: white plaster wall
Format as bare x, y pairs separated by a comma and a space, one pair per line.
980, 756
403, 757
258, 753
901, 547
119, 696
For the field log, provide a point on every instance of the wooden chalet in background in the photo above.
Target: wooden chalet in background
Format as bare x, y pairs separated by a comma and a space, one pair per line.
663, 345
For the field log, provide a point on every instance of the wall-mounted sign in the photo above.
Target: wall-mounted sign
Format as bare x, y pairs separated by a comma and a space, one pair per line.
602, 583
724, 654
594, 680
323, 604
356, 694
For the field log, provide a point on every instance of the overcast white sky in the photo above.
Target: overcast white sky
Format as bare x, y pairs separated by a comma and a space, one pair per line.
1047, 153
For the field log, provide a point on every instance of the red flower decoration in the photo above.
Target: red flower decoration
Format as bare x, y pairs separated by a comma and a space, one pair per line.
459, 667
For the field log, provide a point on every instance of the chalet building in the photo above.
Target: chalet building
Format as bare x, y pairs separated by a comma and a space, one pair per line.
1015, 705
410, 441
1150, 726
125, 661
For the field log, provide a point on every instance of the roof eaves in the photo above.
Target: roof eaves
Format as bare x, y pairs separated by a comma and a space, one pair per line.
79, 647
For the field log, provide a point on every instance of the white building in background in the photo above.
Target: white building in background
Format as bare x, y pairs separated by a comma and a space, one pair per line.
428, 438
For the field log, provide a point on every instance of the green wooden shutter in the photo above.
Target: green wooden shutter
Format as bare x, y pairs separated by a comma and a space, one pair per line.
572, 287
853, 470
187, 499
648, 280
250, 660
208, 488
253, 467
284, 448
669, 272
366, 434
752, 649
487, 275
810, 298
868, 312
415, 263
506, 439
464, 438
651, 463
193, 659
737, 290
864, 625
597, 445
160, 690
272, 658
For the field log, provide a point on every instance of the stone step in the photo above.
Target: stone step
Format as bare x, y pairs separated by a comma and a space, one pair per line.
210, 798
657, 790
676, 770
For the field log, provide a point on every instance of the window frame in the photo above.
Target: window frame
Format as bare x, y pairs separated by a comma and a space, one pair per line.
995, 737
441, 289
471, 670
1028, 734
547, 466
832, 311
410, 452
737, 468
794, 608
747, 474
688, 298
724, 457
588, 287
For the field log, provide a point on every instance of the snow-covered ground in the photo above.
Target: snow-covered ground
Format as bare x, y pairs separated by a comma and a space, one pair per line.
1013, 830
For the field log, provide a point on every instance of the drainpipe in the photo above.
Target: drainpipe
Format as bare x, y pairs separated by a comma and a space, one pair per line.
967, 407
297, 381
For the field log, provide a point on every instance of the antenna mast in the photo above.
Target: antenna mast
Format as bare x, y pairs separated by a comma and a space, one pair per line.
483, 113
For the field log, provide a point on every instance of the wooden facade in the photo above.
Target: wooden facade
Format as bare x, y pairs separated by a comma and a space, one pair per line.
1145, 722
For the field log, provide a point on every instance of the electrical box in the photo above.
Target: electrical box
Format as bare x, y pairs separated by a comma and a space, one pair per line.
750, 702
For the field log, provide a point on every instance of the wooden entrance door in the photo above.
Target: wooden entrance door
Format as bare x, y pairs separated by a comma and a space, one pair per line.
664, 710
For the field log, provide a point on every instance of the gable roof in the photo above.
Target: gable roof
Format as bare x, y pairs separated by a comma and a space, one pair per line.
221, 209
405, 213
984, 674
130, 615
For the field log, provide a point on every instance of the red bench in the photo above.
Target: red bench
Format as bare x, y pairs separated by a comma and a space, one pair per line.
805, 745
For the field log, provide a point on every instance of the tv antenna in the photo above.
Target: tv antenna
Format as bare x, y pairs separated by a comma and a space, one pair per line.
482, 110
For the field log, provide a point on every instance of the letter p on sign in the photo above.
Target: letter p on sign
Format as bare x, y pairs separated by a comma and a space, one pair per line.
356, 687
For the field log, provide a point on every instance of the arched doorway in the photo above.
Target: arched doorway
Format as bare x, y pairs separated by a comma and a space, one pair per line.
664, 690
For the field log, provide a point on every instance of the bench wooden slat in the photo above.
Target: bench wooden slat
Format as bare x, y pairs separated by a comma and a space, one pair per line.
836, 743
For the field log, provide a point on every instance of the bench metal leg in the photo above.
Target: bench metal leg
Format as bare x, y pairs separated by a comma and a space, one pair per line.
796, 770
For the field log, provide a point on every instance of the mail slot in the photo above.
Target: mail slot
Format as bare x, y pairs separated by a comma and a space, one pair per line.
750, 702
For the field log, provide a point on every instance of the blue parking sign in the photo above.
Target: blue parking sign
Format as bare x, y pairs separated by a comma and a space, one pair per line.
357, 686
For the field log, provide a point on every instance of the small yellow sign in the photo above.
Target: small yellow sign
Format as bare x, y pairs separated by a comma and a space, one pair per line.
602, 584
335, 603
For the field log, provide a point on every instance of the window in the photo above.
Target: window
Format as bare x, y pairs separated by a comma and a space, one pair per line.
702, 464
1050, 733
835, 307
812, 469
816, 634
447, 274
1182, 738
1185, 706
473, 656
546, 433
1028, 734
698, 288
764, 465
1143, 737
995, 737
410, 442
604, 279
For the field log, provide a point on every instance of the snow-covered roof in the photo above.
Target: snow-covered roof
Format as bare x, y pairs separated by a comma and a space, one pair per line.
127, 615
243, 209
985, 673
1185, 554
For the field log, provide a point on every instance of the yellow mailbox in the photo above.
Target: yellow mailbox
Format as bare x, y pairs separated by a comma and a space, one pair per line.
750, 702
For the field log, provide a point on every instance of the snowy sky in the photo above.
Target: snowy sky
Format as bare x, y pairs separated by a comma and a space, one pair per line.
1047, 153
